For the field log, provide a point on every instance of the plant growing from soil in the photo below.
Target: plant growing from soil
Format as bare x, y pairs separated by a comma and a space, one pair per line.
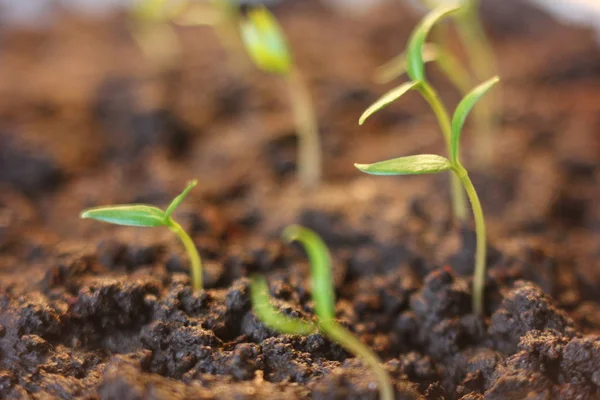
415, 68
431, 163
267, 46
323, 299
143, 215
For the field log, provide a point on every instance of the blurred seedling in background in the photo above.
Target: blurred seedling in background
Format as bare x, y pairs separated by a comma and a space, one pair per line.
481, 65
142, 215
324, 301
267, 47
430, 163
415, 68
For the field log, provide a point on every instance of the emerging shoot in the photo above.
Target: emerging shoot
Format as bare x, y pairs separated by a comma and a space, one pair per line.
415, 68
142, 215
267, 47
323, 299
429, 164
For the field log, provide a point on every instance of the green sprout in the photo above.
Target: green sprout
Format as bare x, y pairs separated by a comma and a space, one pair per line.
266, 45
142, 215
430, 163
415, 68
323, 299
481, 62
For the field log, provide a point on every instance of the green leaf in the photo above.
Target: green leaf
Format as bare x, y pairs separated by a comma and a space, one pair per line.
462, 111
386, 99
395, 67
128, 214
270, 316
320, 269
414, 53
410, 165
177, 200
265, 42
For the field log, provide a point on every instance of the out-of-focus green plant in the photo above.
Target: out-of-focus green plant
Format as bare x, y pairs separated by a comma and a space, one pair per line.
323, 299
415, 68
266, 45
429, 164
143, 215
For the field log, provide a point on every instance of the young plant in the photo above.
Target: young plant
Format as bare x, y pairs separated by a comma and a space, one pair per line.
143, 215
323, 299
430, 163
267, 47
415, 68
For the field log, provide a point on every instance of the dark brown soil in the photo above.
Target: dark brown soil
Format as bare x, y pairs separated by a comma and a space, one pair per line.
92, 311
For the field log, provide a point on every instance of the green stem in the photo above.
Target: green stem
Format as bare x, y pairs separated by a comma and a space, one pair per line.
309, 147
340, 335
192, 251
481, 247
459, 207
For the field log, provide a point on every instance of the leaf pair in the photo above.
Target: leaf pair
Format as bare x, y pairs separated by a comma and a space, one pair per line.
141, 215
429, 163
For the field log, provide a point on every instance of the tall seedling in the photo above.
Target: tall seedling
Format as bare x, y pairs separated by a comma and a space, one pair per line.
267, 47
430, 163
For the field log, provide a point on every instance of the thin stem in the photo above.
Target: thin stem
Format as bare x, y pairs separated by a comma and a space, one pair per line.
340, 335
192, 251
481, 247
309, 146
459, 207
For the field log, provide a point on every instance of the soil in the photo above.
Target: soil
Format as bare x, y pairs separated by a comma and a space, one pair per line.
89, 310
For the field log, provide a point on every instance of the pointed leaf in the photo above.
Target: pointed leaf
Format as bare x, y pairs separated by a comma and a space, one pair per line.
387, 99
395, 67
128, 214
265, 42
177, 200
414, 53
462, 111
270, 316
410, 165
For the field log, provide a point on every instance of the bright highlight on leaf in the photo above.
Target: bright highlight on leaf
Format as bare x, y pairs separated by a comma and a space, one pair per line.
143, 215
462, 111
414, 55
409, 165
395, 67
265, 42
386, 99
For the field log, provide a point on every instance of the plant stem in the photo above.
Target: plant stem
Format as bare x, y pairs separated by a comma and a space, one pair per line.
481, 246
340, 335
192, 251
459, 207
309, 147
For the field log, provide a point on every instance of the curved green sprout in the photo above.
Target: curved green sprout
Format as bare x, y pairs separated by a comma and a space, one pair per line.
429, 164
266, 45
142, 215
323, 299
415, 68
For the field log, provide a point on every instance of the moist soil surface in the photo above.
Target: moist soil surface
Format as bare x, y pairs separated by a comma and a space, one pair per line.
89, 310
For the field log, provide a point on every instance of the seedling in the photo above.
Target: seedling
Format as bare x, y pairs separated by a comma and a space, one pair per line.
430, 163
267, 47
143, 215
481, 65
323, 299
415, 68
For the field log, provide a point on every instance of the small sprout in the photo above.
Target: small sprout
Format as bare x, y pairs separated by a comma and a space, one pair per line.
415, 68
429, 164
142, 215
323, 299
266, 45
